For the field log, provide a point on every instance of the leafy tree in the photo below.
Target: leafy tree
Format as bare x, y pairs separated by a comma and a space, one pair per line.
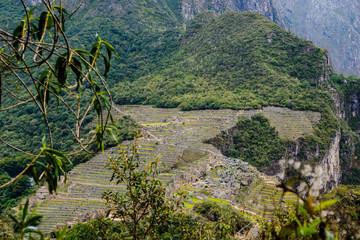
100, 228
24, 223
253, 140
304, 218
227, 221
39, 69
146, 202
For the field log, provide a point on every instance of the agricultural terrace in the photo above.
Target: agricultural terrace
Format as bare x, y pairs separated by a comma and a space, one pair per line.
178, 137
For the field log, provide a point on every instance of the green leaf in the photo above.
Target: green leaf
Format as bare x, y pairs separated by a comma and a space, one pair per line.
60, 9
25, 210
32, 10
109, 130
325, 204
43, 76
107, 66
303, 211
61, 13
79, 50
18, 31
60, 70
35, 175
77, 69
94, 53
42, 27
60, 154
13, 218
104, 100
97, 106
111, 48
50, 22
52, 182
43, 141
291, 182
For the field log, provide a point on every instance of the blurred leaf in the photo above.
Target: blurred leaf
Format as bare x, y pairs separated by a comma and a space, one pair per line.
325, 204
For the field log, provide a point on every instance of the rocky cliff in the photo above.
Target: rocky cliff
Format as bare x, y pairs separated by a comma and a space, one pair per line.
330, 164
330, 24
189, 8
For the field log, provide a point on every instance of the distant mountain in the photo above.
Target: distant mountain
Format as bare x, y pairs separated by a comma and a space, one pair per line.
330, 24
189, 8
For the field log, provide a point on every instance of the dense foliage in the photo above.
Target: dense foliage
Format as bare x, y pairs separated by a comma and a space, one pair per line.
241, 61
10, 195
252, 140
209, 220
235, 60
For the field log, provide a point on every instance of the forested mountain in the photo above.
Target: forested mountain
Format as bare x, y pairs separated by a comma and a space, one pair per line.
197, 55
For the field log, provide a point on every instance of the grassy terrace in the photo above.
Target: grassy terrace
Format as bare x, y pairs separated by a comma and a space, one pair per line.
264, 198
176, 136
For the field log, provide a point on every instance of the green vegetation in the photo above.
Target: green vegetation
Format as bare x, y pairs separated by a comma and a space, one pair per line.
24, 224
345, 214
100, 228
223, 215
304, 218
145, 209
238, 61
241, 61
10, 195
145, 203
56, 91
253, 140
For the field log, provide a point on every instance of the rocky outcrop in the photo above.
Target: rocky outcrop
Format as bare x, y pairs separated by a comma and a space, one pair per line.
189, 8
331, 24
330, 164
354, 105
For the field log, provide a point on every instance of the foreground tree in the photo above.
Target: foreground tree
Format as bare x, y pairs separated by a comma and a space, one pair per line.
146, 203
305, 218
25, 222
38, 67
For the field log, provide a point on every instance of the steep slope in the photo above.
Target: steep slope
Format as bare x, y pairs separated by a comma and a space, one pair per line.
178, 137
330, 24
244, 61
236, 60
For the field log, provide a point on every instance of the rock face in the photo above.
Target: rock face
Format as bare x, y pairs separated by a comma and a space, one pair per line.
330, 24
189, 8
330, 164
354, 105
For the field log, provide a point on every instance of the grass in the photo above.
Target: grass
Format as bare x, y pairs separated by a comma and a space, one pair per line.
218, 200
188, 205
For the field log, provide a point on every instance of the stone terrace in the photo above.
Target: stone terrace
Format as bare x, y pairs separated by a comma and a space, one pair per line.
176, 136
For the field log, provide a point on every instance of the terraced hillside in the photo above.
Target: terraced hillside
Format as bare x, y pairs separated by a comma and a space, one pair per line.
178, 137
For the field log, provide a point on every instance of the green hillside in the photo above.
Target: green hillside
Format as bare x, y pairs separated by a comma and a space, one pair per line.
241, 61
232, 60
238, 61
